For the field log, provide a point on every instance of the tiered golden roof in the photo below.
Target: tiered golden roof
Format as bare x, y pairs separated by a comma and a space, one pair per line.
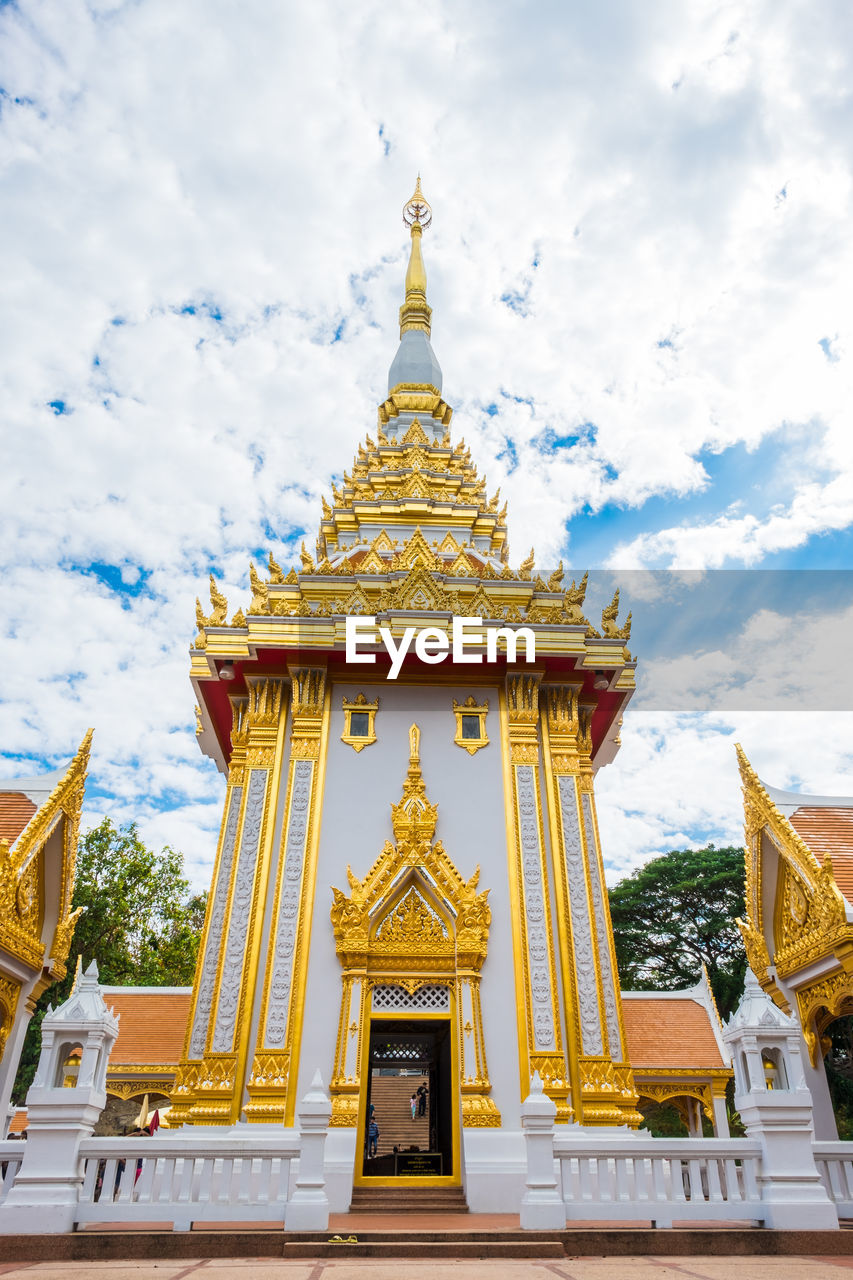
410, 528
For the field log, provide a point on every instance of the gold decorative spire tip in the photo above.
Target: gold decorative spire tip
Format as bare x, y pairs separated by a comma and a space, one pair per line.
415, 313
417, 209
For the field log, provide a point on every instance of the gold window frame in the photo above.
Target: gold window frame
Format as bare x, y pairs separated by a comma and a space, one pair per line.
358, 741
470, 707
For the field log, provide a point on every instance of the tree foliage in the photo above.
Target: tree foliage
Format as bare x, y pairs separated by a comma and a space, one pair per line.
677, 913
140, 922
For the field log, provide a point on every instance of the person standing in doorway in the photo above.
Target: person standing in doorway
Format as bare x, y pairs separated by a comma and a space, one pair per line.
372, 1138
422, 1099
414, 1101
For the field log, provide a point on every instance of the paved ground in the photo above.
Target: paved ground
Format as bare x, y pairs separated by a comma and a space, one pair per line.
367, 1268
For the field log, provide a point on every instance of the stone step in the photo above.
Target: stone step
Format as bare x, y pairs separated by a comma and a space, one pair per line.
366, 1197
405, 1247
375, 1235
408, 1200
408, 1208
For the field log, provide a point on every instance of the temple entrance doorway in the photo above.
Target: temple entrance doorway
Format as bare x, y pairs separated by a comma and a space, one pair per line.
411, 1097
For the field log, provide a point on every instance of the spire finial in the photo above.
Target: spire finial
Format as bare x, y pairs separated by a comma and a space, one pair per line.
414, 313
417, 209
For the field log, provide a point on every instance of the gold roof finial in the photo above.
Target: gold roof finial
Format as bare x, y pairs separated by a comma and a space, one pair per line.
414, 313
417, 209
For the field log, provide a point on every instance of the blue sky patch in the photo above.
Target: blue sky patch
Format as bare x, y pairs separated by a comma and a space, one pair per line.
127, 580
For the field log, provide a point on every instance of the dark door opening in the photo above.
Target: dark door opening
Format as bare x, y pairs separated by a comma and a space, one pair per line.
413, 1134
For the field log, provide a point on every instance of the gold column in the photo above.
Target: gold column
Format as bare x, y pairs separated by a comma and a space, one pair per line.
271, 1088
536, 977
10, 989
602, 1081
209, 1086
479, 1110
184, 1091
352, 1024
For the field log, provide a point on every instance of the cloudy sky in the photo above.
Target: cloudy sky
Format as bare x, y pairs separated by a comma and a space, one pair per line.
640, 270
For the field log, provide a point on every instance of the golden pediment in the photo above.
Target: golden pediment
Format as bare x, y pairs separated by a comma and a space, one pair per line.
414, 864
412, 926
416, 434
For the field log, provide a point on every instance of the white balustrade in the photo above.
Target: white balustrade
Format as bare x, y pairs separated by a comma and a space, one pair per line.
629, 1178
11, 1155
183, 1178
834, 1162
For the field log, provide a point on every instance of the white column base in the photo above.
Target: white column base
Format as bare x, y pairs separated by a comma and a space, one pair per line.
307, 1214
37, 1219
542, 1211
800, 1214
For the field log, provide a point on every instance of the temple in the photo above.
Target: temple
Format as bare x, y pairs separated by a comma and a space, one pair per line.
798, 929
409, 887
39, 823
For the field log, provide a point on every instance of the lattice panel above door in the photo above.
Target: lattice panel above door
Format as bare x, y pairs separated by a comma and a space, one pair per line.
426, 999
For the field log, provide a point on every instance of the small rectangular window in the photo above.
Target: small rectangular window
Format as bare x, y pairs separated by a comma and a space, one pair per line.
471, 724
359, 724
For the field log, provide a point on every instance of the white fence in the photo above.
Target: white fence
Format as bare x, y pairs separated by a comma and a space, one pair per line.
834, 1162
183, 1178
11, 1155
660, 1179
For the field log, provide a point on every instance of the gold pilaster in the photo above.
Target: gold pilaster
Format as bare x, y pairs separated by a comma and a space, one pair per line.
346, 1081
479, 1110
193, 1066
271, 1089
603, 1089
10, 989
209, 1090
535, 959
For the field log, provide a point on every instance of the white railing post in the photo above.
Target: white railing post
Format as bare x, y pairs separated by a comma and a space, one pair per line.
308, 1209
542, 1207
62, 1109
776, 1107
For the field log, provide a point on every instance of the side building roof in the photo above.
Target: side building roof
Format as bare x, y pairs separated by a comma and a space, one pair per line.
825, 824
672, 1030
152, 1024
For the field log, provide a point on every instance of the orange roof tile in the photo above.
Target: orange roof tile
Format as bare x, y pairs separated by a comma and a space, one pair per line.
669, 1033
16, 809
151, 1028
19, 1121
829, 829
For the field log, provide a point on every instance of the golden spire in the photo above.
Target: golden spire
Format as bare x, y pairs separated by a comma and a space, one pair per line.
414, 313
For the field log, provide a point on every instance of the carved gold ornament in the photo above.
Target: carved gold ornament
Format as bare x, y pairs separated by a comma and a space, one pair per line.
9, 992
819, 1004
22, 872
810, 916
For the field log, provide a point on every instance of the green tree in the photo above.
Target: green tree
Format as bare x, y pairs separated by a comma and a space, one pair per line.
140, 922
677, 913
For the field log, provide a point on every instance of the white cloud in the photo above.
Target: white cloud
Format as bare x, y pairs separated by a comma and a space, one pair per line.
675, 782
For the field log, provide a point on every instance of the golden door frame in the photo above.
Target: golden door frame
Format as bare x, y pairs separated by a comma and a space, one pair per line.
412, 923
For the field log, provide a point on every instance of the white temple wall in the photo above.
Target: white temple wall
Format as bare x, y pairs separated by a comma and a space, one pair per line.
359, 790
